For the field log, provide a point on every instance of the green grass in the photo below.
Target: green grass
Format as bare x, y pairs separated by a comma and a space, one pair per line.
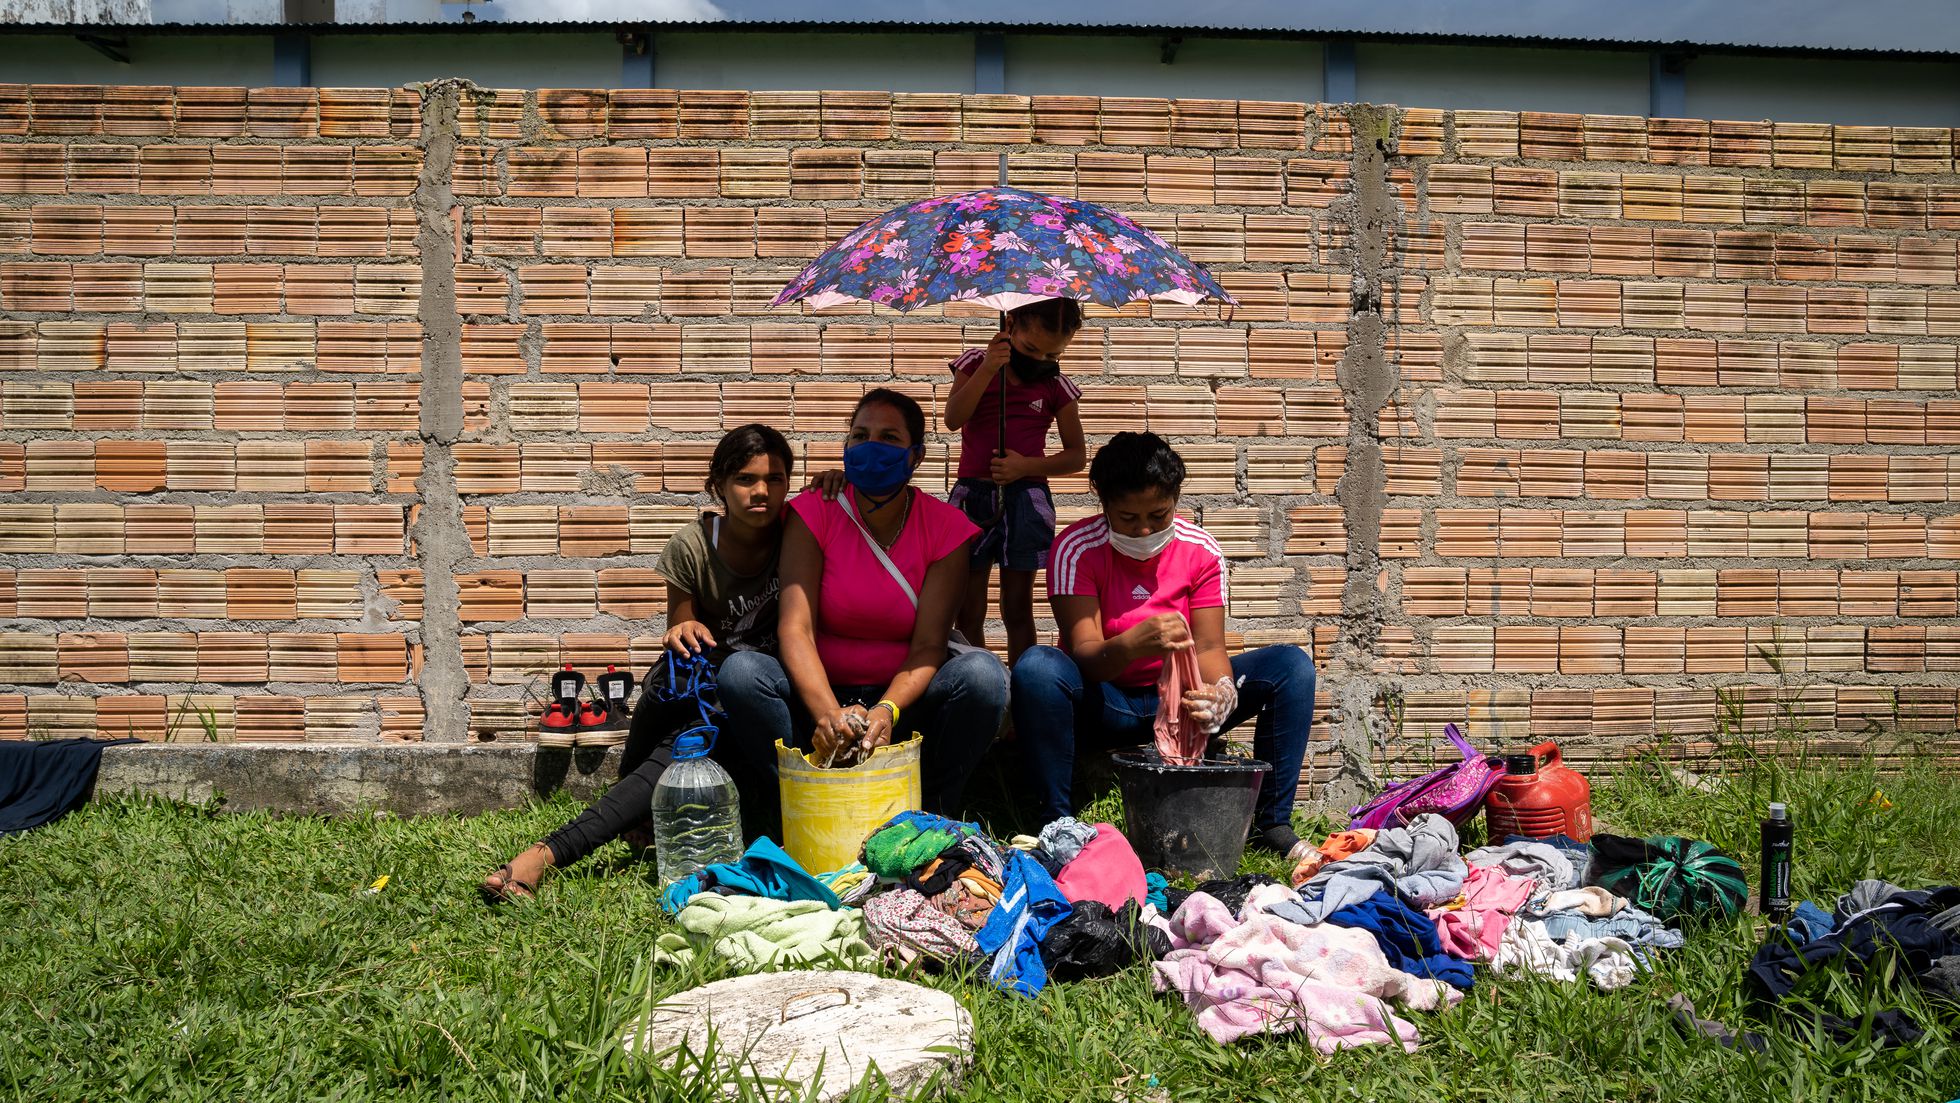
152, 951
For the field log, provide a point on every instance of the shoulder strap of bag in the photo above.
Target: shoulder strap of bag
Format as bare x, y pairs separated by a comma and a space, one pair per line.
884, 560
1463, 746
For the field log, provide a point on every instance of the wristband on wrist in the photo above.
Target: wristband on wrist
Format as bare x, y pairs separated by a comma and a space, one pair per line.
887, 704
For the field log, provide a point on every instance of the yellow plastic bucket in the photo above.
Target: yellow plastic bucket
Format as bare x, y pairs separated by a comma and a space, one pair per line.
828, 813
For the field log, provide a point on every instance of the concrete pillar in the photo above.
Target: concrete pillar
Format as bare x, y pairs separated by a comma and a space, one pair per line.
441, 541
1368, 378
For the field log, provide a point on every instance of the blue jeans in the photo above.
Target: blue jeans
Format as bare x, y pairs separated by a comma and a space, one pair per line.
958, 716
1055, 710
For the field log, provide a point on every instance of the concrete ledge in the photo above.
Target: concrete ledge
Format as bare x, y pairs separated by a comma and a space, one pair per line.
408, 779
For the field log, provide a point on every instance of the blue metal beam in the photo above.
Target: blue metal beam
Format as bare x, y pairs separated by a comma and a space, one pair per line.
292, 60
1667, 88
989, 63
1338, 73
636, 60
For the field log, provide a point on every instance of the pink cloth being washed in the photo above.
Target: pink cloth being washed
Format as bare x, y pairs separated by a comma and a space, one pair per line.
1264, 974
864, 621
1105, 869
1180, 741
1474, 931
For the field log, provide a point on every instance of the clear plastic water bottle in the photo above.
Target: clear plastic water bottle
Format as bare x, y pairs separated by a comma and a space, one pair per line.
697, 815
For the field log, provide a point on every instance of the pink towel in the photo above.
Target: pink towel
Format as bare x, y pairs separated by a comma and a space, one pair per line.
1180, 741
1491, 897
1105, 869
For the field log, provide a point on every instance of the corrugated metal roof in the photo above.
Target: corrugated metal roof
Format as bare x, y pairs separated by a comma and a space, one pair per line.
915, 26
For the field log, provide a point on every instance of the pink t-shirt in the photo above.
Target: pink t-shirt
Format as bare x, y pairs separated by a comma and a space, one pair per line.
1031, 409
1188, 574
864, 620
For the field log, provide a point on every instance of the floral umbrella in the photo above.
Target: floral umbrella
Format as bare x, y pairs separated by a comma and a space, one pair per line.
1001, 248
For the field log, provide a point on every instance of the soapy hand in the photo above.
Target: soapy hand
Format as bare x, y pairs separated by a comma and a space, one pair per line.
1210, 706
837, 735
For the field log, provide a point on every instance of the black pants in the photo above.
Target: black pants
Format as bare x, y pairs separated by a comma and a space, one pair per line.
648, 751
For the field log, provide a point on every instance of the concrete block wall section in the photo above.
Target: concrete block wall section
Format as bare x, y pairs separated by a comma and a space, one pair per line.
343, 414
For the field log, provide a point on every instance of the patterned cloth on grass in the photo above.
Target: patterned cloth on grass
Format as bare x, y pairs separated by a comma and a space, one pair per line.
907, 928
1264, 974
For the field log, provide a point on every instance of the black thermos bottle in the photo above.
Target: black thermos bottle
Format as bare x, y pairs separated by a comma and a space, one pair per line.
1773, 896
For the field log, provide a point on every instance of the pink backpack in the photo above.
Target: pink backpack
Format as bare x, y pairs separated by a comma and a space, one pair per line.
1455, 792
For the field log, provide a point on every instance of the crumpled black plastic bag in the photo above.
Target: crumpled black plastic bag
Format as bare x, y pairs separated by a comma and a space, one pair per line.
1095, 942
1232, 893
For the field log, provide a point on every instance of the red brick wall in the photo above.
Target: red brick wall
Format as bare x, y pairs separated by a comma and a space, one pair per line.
1674, 408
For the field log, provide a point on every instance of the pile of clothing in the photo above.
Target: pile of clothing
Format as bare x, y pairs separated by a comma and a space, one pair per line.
934, 893
1375, 923
1913, 935
1071, 903
1400, 915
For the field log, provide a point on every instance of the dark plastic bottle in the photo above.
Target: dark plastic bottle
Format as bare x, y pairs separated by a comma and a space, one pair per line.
1779, 836
1539, 796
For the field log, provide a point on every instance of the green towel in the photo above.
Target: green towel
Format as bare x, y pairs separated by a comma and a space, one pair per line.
752, 934
910, 840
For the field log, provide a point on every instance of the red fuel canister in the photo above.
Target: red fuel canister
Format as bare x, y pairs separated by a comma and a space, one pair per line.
1539, 796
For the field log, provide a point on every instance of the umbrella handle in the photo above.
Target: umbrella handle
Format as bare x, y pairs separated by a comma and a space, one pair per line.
1000, 446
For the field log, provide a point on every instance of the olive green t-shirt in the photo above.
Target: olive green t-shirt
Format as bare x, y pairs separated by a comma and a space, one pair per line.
739, 609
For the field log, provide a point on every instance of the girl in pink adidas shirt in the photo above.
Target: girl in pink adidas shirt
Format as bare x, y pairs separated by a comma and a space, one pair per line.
1129, 586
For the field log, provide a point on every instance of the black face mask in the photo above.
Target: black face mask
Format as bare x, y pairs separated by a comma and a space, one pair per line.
1029, 370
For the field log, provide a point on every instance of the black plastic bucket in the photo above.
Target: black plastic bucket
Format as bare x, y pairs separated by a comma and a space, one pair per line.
1188, 819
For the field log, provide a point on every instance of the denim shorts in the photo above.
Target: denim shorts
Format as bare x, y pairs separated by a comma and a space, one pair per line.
1017, 521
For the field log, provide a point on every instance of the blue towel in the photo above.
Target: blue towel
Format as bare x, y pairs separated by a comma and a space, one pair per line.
1029, 905
763, 870
1407, 937
1157, 892
1809, 922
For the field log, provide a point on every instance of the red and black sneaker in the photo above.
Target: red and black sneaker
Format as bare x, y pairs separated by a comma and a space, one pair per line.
600, 725
558, 726
590, 725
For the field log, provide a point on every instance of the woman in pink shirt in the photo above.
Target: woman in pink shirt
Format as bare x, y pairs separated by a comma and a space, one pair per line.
1129, 586
871, 580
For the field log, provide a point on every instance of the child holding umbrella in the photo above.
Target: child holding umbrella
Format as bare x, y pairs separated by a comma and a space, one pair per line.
1004, 398
1018, 251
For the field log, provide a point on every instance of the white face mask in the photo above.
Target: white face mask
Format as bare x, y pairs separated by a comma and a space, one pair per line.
1142, 547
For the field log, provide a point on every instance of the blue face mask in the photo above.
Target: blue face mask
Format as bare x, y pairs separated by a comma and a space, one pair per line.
876, 468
